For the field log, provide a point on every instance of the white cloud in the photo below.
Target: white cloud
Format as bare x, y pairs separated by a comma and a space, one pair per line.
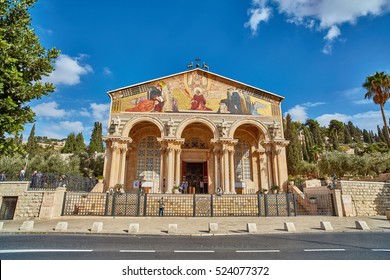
324, 120
366, 120
107, 71
69, 126
258, 13
49, 109
68, 70
298, 113
84, 113
325, 15
100, 112
311, 104
355, 95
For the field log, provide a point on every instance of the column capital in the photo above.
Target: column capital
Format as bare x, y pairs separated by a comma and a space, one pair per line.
117, 139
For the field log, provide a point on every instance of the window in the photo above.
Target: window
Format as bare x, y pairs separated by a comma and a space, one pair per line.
148, 162
194, 143
242, 162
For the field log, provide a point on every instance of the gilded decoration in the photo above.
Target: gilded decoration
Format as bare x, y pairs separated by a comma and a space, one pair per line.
195, 91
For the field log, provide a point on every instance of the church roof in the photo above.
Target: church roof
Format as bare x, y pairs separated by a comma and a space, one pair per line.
243, 85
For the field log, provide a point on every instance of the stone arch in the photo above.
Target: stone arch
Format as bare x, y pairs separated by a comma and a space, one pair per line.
206, 122
257, 124
131, 123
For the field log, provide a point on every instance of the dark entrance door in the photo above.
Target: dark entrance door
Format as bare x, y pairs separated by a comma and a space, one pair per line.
195, 174
8, 207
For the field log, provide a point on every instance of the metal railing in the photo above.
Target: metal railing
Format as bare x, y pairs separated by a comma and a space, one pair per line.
185, 205
51, 181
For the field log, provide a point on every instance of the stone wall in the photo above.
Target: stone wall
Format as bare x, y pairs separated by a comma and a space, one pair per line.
32, 204
368, 198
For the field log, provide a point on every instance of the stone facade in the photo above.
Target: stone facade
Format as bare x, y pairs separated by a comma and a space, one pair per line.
196, 126
368, 198
32, 204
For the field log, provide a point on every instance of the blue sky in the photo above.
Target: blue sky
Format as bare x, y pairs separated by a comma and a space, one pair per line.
315, 53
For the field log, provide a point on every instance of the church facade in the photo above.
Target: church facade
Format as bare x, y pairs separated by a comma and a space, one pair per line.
195, 128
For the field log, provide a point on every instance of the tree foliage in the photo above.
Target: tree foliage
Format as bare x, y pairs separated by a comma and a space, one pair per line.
378, 88
293, 150
23, 63
96, 142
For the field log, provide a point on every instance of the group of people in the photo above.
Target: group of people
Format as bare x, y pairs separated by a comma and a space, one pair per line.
38, 179
22, 174
183, 188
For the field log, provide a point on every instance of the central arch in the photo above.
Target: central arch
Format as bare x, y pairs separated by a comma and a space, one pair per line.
206, 122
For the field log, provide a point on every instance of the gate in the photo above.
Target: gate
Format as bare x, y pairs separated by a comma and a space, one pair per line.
316, 203
8, 207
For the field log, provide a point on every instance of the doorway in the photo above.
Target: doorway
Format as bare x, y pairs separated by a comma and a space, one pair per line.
195, 174
8, 207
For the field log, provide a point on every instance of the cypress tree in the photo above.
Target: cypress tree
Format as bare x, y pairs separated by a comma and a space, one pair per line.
96, 142
366, 137
70, 144
293, 150
31, 146
316, 132
79, 144
347, 135
381, 137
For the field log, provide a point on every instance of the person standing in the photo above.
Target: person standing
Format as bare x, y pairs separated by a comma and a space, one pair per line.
161, 207
2, 176
22, 174
34, 181
185, 186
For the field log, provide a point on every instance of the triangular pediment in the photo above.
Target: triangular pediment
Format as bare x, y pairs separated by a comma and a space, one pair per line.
195, 91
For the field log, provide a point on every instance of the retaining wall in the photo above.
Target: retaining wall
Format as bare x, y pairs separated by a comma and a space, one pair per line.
368, 198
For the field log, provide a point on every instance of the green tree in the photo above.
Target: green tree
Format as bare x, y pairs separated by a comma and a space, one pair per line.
293, 150
31, 147
79, 144
378, 88
23, 63
96, 142
381, 137
347, 135
367, 137
70, 144
316, 132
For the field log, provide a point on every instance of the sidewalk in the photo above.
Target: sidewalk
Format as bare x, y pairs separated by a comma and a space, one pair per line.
196, 226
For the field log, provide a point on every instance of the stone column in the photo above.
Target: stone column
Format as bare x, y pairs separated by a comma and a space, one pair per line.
178, 164
170, 168
263, 168
216, 171
226, 170
162, 169
232, 173
123, 151
114, 165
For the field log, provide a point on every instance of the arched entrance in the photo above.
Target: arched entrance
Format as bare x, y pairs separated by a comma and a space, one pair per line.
195, 158
144, 159
251, 174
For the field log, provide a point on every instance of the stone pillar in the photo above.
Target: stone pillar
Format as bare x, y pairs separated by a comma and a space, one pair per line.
275, 169
226, 170
216, 171
269, 168
232, 173
114, 165
263, 167
177, 167
170, 167
123, 151
162, 169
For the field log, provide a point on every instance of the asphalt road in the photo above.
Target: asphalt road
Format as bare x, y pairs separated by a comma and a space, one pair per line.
321, 246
